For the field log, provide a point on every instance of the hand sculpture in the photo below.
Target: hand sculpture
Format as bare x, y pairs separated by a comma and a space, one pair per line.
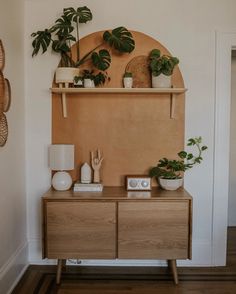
96, 164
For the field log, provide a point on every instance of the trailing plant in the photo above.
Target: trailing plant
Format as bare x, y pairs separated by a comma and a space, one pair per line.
61, 37
162, 64
172, 168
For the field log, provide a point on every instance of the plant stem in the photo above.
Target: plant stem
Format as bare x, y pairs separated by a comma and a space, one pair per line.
77, 43
87, 56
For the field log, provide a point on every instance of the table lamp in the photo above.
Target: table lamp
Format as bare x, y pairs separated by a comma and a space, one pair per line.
61, 159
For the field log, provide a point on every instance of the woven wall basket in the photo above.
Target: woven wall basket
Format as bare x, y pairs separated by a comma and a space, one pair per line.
3, 129
2, 56
2, 91
7, 96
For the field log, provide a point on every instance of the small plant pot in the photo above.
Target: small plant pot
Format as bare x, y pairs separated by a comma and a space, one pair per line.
161, 81
128, 82
88, 83
170, 184
66, 74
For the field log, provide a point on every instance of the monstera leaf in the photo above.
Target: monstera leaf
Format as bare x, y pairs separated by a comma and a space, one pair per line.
61, 45
62, 27
121, 39
81, 15
102, 59
42, 39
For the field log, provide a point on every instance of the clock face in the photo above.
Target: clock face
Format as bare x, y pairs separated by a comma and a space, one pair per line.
138, 183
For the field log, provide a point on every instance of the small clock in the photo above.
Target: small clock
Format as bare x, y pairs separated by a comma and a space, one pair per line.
138, 183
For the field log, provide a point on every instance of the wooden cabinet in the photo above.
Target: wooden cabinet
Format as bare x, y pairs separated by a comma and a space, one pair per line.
117, 224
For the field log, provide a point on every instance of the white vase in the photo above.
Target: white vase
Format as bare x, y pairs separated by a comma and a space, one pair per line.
66, 74
128, 82
161, 81
88, 83
170, 184
86, 174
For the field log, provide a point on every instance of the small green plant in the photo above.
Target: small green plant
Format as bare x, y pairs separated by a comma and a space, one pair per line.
65, 32
162, 64
78, 81
98, 78
128, 74
171, 169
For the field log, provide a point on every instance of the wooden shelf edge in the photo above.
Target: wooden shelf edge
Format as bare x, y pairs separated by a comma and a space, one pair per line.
119, 90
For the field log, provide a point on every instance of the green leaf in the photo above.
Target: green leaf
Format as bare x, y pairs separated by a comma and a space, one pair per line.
182, 154
102, 59
155, 53
61, 45
81, 15
121, 39
42, 40
204, 148
62, 27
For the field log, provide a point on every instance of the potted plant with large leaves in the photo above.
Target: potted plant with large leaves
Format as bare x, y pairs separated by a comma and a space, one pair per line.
162, 67
169, 172
65, 32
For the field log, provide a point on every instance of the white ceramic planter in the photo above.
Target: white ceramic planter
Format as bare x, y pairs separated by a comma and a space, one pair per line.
89, 83
66, 74
128, 82
86, 173
170, 184
161, 81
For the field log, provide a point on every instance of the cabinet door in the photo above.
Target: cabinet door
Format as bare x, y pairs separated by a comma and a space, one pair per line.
80, 230
157, 230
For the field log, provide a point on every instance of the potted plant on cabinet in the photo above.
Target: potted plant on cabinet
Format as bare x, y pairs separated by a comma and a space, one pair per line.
169, 172
61, 37
161, 67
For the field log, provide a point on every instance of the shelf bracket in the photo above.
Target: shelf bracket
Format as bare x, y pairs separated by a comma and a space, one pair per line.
172, 105
63, 100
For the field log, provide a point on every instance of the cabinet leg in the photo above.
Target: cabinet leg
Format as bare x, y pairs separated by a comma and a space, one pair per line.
59, 267
172, 265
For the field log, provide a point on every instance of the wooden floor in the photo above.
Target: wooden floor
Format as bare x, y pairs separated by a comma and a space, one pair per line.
133, 280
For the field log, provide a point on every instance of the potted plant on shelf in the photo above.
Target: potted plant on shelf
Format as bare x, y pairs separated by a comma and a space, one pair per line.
61, 37
169, 172
161, 67
90, 79
128, 79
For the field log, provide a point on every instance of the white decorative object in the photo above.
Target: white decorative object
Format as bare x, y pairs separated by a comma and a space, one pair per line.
128, 82
86, 174
161, 81
88, 83
170, 184
61, 158
79, 187
96, 164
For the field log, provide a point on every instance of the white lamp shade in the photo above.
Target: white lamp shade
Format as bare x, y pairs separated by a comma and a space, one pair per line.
61, 157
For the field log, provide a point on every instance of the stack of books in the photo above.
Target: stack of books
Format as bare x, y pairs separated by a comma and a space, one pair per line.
93, 187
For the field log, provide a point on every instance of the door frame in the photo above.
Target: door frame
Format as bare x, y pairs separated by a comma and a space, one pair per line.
225, 42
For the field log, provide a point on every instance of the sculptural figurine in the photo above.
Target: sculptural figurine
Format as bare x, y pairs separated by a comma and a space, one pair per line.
96, 164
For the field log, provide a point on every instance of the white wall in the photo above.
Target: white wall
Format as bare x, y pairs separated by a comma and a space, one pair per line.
232, 164
187, 29
13, 227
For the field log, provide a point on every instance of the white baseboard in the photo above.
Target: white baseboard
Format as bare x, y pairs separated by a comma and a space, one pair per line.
13, 269
201, 257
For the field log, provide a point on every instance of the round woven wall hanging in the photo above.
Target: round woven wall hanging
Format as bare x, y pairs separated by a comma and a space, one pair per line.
2, 91
3, 129
2, 56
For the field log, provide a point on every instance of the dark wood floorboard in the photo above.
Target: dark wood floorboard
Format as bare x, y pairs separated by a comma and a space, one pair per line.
133, 280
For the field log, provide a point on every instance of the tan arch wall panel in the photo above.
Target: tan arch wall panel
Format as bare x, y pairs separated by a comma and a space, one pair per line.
133, 131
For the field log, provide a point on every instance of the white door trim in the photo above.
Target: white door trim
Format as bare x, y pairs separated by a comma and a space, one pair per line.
225, 41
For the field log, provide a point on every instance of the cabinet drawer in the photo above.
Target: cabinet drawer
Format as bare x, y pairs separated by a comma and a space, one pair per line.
154, 229
80, 230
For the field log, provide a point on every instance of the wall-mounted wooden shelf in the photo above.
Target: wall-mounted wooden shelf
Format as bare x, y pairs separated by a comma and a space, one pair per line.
172, 91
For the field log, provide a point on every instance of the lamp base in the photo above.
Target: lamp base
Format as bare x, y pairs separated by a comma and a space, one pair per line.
61, 181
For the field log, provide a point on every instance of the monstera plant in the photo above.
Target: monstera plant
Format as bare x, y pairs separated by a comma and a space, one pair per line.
65, 32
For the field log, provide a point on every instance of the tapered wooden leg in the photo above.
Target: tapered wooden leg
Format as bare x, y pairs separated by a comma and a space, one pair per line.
172, 265
63, 264
59, 266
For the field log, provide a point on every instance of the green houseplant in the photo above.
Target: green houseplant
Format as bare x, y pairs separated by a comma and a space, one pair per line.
128, 79
65, 32
161, 67
169, 172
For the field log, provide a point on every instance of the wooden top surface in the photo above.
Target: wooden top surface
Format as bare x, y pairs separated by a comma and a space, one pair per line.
118, 193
